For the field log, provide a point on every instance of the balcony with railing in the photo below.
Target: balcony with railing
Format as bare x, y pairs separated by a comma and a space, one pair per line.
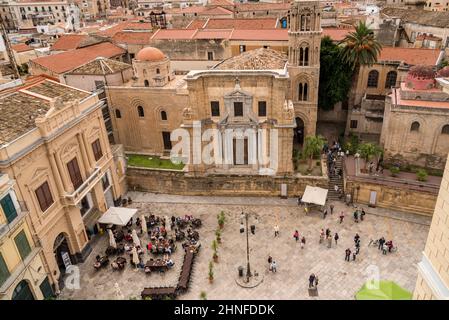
75, 197
10, 227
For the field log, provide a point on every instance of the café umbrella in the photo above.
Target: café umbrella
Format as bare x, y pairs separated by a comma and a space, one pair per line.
112, 242
135, 256
144, 224
136, 239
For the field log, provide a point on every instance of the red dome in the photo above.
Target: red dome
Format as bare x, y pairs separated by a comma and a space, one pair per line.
150, 54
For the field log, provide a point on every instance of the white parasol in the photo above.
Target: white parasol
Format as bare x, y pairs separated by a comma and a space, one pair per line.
118, 293
135, 256
167, 223
112, 242
136, 239
144, 224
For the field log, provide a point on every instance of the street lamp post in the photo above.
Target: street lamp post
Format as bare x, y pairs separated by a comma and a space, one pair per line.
248, 267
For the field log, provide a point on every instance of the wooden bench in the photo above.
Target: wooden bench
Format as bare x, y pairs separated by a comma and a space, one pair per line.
159, 293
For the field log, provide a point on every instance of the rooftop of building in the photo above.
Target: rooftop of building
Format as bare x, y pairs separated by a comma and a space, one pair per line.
397, 99
101, 66
21, 47
410, 56
68, 42
110, 31
21, 106
258, 59
226, 23
132, 37
438, 19
69, 60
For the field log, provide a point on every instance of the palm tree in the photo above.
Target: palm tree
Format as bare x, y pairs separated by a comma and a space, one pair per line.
368, 151
312, 147
360, 48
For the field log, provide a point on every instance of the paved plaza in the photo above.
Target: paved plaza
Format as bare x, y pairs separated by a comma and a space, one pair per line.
337, 279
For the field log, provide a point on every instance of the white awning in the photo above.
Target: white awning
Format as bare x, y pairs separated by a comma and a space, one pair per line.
117, 215
315, 195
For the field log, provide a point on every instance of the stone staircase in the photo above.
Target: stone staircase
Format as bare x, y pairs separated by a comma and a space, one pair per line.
335, 180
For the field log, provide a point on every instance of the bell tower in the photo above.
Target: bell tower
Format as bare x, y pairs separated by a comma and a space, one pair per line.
304, 62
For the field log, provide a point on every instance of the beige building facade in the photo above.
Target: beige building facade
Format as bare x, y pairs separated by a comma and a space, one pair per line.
22, 272
433, 272
63, 166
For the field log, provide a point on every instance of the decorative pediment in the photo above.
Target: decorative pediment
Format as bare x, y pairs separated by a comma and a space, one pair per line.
38, 172
94, 132
69, 148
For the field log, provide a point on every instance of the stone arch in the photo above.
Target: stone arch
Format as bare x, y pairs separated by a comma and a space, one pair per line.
303, 79
61, 245
23, 291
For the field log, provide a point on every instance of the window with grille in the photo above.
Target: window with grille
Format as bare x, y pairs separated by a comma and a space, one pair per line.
390, 81
354, 124
373, 78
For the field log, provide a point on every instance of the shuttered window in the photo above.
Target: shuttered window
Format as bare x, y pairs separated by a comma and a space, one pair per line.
74, 173
22, 244
44, 197
96, 147
8, 208
4, 272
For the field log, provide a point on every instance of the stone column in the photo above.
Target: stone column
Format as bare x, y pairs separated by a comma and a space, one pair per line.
56, 174
88, 163
67, 185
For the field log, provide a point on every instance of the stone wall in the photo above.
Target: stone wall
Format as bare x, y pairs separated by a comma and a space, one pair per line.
412, 198
164, 181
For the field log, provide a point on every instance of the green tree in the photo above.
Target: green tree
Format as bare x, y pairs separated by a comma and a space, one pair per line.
312, 147
368, 151
335, 75
359, 48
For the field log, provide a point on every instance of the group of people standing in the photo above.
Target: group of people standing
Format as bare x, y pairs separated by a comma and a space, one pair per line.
356, 249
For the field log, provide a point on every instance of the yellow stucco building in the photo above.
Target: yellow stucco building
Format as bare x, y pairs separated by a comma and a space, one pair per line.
54, 144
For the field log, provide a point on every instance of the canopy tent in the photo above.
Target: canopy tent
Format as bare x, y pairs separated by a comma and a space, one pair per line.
315, 195
117, 215
383, 290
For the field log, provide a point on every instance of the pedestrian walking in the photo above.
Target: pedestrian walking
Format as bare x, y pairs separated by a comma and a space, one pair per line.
347, 254
316, 281
321, 235
274, 266
356, 238
329, 242
362, 215
381, 243
342, 216
332, 209
356, 216
328, 233
296, 235
324, 213
242, 228
311, 280
384, 248
336, 237
276, 230
354, 255
303, 242
270, 260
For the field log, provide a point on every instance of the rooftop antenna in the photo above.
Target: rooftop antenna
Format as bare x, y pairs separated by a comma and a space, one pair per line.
12, 59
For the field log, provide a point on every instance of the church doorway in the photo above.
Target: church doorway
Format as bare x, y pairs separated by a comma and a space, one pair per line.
240, 151
22, 291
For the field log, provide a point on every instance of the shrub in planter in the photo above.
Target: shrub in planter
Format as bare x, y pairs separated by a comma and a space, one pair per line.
394, 171
203, 295
211, 271
421, 175
221, 219
214, 248
218, 235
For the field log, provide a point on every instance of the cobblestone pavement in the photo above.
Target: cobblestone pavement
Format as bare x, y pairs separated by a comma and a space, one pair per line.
337, 279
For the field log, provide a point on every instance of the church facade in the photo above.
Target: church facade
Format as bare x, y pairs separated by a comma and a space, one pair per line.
246, 114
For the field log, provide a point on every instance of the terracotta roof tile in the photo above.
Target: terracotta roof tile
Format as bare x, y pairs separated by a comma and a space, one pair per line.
68, 42
196, 24
21, 47
264, 23
410, 56
69, 60
261, 6
130, 37
126, 25
261, 34
101, 66
336, 34
213, 34
167, 34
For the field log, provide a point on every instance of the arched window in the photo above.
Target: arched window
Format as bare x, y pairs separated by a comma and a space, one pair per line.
445, 129
390, 81
146, 83
373, 78
140, 111
158, 70
415, 126
303, 89
304, 56
163, 115
118, 114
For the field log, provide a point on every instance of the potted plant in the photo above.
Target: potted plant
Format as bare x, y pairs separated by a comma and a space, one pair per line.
218, 235
214, 248
221, 219
394, 171
203, 295
421, 175
211, 272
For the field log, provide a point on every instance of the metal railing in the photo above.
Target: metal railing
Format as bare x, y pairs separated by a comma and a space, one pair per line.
82, 190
